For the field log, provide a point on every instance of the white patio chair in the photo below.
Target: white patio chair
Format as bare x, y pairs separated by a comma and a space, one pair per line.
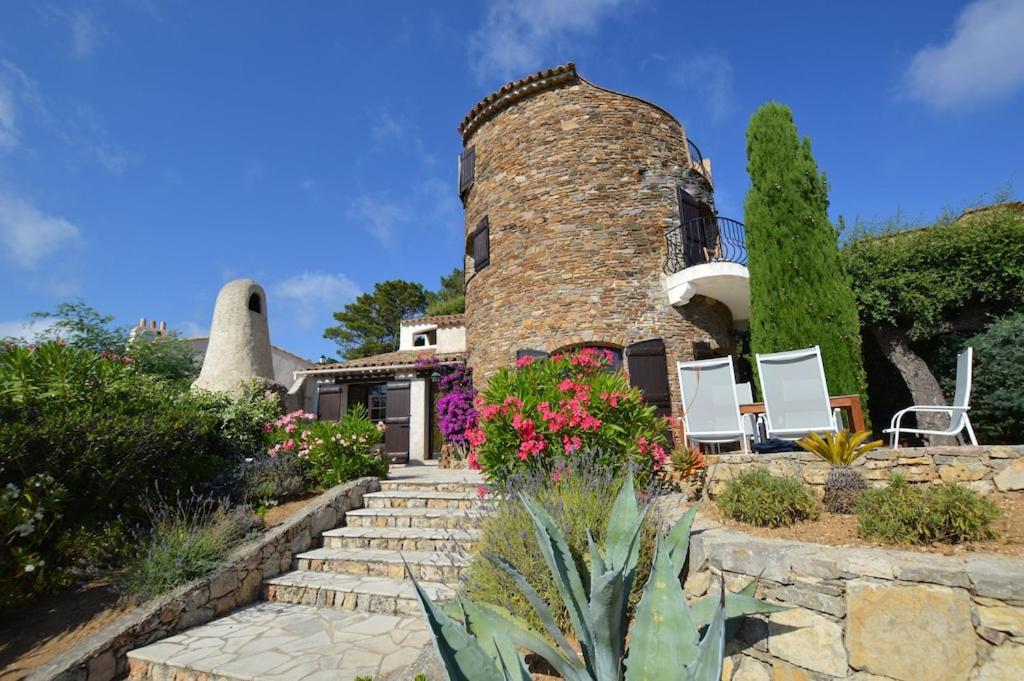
711, 412
795, 394
745, 395
957, 412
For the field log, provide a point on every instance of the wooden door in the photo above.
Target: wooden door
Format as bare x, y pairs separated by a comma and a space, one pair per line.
648, 371
328, 404
396, 433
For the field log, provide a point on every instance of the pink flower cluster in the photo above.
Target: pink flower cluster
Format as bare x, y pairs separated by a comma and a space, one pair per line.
290, 423
114, 357
656, 451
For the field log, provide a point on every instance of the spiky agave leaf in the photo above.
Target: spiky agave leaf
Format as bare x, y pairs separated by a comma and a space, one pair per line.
711, 653
663, 638
678, 539
492, 635
738, 604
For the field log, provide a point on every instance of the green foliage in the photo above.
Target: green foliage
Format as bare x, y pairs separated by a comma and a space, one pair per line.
370, 324
186, 541
28, 514
579, 504
933, 280
997, 397
901, 513
536, 416
81, 326
450, 298
168, 356
800, 294
759, 498
839, 449
481, 642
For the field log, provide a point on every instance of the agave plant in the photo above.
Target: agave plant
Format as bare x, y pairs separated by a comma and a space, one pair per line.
481, 642
843, 484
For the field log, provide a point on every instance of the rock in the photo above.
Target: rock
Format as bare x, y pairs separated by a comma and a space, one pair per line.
962, 472
808, 639
915, 461
993, 636
996, 577
727, 667
103, 667
1002, 617
750, 669
864, 676
982, 487
910, 633
1011, 478
806, 596
1005, 664
697, 584
787, 672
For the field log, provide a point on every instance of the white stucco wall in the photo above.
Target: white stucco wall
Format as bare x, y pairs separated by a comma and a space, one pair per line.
285, 363
449, 338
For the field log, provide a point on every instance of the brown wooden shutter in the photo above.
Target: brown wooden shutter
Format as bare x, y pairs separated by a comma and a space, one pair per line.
328, 403
396, 433
648, 371
467, 170
481, 245
527, 352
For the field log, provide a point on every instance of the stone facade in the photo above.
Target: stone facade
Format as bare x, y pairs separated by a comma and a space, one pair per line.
984, 469
103, 656
865, 614
578, 185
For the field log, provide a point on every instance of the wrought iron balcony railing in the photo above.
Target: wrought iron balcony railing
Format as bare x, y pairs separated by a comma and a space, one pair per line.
705, 239
697, 159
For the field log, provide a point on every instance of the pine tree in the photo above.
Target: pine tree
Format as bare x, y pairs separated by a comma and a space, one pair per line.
800, 295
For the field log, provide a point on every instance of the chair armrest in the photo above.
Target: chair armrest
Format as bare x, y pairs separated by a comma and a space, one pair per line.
933, 407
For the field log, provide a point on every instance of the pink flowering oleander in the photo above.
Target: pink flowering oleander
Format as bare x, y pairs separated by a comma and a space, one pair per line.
524, 361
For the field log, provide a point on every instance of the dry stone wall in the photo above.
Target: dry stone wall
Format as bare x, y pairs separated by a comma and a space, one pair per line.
103, 656
578, 185
984, 469
864, 613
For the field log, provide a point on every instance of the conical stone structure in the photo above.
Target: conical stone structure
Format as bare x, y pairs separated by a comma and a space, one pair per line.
239, 348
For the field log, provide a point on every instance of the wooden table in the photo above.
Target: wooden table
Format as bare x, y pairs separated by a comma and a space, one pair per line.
848, 403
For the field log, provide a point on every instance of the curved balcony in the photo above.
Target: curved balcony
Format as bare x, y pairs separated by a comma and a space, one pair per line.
707, 256
697, 160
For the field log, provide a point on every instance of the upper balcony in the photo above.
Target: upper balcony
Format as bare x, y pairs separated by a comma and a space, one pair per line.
697, 161
707, 256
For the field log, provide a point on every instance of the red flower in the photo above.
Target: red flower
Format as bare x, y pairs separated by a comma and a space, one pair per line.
524, 362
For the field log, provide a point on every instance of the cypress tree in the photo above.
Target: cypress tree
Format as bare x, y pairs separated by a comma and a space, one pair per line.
800, 295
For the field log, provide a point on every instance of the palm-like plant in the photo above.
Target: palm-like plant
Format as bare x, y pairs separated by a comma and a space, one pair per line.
481, 642
843, 484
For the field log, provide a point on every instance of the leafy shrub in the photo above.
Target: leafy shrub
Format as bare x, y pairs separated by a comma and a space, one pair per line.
757, 497
187, 540
997, 397
542, 412
330, 453
27, 517
168, 356
901, 513
267, 481
578, 499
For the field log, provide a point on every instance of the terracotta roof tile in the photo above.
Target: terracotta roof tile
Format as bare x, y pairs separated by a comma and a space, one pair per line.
440, 320
512, 92
401, 358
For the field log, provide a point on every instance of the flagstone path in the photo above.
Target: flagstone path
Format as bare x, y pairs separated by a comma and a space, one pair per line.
346, 609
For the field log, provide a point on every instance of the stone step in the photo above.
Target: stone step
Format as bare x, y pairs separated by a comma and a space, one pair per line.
413, 517
401, 538
426, 566
386, 595
454, 501
428, 486
285, 642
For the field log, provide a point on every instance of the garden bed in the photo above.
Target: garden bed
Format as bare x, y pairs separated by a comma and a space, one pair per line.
841, 530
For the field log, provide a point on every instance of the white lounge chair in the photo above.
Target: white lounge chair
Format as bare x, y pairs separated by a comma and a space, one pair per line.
745, 395
711, 410
957, 412
795, 394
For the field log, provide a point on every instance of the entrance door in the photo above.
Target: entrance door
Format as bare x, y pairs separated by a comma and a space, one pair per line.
695, 242
396, 433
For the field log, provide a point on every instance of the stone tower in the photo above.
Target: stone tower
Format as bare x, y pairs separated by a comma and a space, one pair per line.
239, 348
569, 190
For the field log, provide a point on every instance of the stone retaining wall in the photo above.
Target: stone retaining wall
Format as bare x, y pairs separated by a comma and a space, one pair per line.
984, 469
103, 655
865, 613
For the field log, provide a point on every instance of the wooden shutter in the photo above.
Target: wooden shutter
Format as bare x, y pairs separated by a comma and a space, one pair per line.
328, 403
527, 352
467, 170
481, 245
396, 433
648, 371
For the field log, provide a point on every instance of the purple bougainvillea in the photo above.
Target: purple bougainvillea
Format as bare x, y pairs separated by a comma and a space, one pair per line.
456, 412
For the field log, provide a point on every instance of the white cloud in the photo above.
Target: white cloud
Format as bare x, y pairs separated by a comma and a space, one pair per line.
709, 78
312, 295
85, 33
24, 329
520, 37
380, 215
982, 62
28, 235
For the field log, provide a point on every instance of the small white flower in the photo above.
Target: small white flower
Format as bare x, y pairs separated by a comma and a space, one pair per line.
30, 568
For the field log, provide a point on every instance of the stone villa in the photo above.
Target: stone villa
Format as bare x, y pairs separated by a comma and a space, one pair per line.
590, 220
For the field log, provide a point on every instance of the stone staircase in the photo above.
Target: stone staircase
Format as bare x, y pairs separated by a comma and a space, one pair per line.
347, 609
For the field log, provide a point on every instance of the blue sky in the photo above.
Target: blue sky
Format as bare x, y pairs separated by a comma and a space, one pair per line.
151, 150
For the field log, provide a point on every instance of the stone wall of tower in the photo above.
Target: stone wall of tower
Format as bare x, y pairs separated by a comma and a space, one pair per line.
579, 186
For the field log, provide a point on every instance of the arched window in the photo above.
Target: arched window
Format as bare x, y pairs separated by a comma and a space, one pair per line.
254, 303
